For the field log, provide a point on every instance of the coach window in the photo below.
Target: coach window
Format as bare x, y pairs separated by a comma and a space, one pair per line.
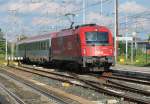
31, 46
45, 45
19, 47
41, 45
35, 45
38, 45
28, 46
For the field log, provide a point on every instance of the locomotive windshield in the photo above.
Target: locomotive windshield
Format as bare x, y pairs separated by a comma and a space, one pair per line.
96, 37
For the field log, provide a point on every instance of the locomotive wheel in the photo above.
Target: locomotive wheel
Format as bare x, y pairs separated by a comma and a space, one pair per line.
106, 68
74, 67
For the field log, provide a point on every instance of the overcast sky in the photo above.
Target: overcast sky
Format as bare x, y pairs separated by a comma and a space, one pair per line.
34, 17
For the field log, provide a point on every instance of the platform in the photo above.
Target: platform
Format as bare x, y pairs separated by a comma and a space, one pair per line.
133, 70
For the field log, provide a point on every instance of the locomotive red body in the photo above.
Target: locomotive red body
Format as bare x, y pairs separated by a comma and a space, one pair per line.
86, 46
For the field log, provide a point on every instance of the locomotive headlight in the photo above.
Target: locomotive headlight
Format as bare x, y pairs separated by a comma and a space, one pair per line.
96, 29
111, 50
101, 52
84, 51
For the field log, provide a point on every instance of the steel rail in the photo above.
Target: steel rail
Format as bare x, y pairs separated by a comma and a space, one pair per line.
129, 76
11, 94
127, 79
126, 87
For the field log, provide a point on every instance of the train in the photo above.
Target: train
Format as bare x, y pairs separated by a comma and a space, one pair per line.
88, 46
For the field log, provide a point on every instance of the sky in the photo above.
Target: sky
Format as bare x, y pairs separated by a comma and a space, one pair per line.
36, 17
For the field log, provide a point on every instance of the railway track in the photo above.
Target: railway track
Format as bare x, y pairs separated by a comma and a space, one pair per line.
59, 98
129, 79
95, 85
11, 95
132, 76
110, 76
122, 87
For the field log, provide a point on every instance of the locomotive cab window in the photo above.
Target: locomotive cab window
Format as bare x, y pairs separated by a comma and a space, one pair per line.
100, 38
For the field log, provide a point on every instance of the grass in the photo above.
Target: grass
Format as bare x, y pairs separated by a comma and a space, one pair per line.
139, 60
2, 59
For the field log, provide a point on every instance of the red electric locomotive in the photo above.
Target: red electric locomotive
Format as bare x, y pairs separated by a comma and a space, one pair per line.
88, 46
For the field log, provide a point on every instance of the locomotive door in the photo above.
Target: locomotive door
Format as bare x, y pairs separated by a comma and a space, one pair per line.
78, 45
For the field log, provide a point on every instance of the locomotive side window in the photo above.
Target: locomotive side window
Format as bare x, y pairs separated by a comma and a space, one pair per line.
96, 37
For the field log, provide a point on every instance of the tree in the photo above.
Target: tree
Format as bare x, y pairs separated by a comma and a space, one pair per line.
1, 34
2, 42
149, 38
121, 47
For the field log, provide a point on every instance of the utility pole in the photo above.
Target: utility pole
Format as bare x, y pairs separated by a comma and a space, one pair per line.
116, 29
84, 11
57, 18
6, 58
101, 7
126, 39
132, 52
15, 22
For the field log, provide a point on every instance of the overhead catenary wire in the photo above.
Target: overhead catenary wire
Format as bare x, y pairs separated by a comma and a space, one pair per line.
81, 9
